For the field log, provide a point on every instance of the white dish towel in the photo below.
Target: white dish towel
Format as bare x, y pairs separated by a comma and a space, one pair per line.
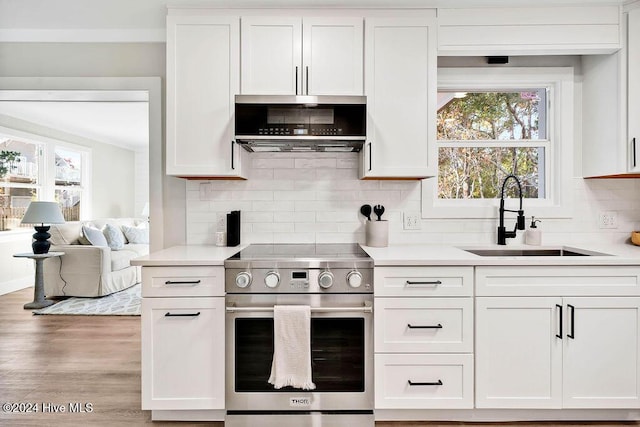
291, 364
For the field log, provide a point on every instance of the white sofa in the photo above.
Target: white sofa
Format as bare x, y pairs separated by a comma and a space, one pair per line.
86, 270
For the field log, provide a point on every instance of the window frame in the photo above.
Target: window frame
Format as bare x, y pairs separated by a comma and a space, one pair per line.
559, 82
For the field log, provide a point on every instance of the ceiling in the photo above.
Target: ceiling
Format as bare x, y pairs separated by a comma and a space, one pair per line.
123, 123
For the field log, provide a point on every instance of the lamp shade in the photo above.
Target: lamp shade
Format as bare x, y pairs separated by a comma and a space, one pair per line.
43, 213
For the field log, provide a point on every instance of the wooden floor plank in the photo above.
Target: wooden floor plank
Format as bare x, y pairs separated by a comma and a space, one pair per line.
96, 359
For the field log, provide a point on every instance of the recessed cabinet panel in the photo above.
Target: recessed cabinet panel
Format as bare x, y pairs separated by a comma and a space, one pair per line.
202, 78
332, 56
518, 356
633, 58
400, 85
183, 353
601, 353
424, 381
271, 55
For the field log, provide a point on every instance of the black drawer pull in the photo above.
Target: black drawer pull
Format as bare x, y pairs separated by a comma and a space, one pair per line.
411, 383
182, 282
559, 334
572, 334
438, 326
433, 282
181, 314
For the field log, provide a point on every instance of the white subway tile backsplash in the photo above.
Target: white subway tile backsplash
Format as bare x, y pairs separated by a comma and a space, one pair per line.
316, 197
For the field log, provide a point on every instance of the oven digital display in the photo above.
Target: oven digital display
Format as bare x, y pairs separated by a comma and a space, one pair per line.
299, 275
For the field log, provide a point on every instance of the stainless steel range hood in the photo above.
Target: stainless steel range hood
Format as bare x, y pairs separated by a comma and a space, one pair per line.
277, 123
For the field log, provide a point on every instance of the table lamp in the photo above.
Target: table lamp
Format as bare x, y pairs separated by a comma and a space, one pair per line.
41, 213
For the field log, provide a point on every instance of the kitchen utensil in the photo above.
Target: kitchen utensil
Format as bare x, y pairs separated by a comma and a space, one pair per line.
378, 210
366, 211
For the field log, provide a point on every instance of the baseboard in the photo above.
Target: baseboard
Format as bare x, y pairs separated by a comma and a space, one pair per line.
16, 284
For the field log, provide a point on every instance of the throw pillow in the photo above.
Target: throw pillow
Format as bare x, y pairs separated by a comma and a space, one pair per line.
139, 234
94, 236
115, 238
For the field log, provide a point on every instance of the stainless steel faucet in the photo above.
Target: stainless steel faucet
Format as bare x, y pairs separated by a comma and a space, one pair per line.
503, 234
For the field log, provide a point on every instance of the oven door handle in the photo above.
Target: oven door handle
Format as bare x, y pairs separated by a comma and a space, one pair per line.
367, 308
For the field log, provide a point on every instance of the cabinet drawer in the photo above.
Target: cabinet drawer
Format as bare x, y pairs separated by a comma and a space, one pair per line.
182, 281
558, 281
423, 281
440, 381
419, 325
183, 353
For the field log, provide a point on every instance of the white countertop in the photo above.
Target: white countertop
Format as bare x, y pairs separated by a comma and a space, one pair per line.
398, 255
188, 256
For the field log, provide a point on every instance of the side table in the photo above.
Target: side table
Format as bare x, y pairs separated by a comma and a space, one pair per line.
38, 290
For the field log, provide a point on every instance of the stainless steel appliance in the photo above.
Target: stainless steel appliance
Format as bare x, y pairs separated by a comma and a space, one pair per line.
336, 281
300, 123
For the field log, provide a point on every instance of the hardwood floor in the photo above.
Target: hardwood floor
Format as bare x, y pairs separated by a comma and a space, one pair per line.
89, 359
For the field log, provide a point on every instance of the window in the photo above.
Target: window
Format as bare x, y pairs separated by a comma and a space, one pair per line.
495, 122
44, 170
19, 179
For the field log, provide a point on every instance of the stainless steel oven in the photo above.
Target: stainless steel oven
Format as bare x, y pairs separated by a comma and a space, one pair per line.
338, 288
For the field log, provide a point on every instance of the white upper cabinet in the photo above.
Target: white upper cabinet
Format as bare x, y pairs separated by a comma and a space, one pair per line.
568, 30
302, 56
611, 108
633, 70
400, 85
203, 68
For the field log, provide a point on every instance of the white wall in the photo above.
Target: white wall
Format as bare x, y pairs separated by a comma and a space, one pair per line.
291, 197
141, 179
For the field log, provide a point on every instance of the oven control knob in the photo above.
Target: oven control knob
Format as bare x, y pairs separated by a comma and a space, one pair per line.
243, 279
272, 279
354, 278
325, 279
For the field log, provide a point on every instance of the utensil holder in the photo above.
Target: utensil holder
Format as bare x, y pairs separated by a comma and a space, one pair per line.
377, 233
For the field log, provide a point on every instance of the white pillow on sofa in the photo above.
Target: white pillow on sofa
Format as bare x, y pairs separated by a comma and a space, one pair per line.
93, 236
139, 234
115, 238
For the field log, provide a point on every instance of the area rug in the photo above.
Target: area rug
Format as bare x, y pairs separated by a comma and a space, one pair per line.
123, 303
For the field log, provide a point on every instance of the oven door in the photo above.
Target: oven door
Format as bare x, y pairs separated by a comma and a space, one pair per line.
341, 353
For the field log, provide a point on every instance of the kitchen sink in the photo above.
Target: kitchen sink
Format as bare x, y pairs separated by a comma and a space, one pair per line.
531, 252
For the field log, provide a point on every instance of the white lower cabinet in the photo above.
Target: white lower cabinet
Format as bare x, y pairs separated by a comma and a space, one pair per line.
556, 352
183, 318
183, 353
423, 322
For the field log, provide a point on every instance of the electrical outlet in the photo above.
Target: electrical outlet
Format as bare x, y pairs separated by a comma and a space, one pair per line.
411, 221
608, 219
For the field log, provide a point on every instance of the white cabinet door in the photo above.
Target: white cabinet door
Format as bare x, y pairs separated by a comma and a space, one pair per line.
518, 355
633, 114
332, 56
271, 55
183, 353
202, 80
400, 85
601, 354
276, 62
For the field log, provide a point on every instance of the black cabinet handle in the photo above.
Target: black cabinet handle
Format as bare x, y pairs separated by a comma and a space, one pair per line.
572, 335
182, 282
296, 80
307, 79
181, 314
438, 326
559, 334
633, 141
411, 383
433, 282
369, 157
233, 143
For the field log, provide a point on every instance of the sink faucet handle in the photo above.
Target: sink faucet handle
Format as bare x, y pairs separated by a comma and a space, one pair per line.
521, 220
